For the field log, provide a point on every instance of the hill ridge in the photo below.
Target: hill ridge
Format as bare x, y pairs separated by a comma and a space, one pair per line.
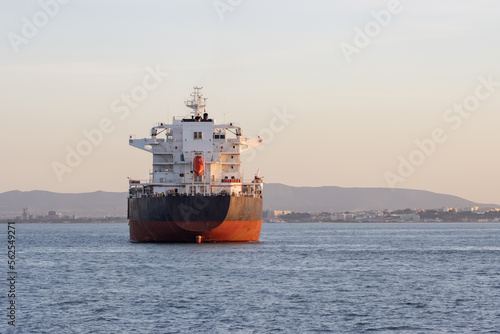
276, 196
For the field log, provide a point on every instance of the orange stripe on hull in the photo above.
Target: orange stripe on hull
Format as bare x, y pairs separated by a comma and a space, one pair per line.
168, 231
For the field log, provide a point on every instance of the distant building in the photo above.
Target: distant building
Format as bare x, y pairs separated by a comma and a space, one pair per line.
410, 217
349, 216
338, 216
277, 213
469, 209
54, 215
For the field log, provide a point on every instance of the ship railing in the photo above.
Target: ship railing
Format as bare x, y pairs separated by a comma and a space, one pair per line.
171, 194
145, 188
167, 194
138, 182
223, 182
231, 180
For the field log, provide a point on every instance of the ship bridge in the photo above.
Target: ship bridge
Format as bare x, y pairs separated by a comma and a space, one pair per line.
193, 155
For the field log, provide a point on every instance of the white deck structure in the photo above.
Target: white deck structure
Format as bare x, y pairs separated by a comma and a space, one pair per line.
175, 146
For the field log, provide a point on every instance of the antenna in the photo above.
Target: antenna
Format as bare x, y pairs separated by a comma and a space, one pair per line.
26, 214
197, 102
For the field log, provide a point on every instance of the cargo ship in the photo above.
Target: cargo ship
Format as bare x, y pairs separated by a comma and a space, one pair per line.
195, 191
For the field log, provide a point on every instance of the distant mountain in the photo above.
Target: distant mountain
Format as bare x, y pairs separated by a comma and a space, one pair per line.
276, 196
95, 204
317, 199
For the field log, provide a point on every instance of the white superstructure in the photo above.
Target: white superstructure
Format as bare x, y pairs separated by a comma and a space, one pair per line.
193, 156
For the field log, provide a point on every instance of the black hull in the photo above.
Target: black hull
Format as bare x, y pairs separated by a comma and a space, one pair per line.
185, 218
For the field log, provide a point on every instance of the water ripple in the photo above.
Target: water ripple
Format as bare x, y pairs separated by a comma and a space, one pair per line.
302, 278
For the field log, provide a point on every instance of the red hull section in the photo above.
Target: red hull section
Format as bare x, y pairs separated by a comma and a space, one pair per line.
228, 231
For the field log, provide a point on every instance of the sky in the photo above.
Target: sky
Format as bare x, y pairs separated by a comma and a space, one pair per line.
400, 94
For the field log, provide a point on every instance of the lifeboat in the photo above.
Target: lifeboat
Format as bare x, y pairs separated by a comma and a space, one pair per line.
198, 165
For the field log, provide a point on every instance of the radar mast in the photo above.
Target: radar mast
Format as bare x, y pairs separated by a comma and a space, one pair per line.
197, 102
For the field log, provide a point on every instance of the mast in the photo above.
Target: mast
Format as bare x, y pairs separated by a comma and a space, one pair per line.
197, 102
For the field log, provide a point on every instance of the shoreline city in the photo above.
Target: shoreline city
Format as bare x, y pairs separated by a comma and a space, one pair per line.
446, 214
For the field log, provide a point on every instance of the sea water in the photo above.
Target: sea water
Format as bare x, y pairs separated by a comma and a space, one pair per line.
301, 278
